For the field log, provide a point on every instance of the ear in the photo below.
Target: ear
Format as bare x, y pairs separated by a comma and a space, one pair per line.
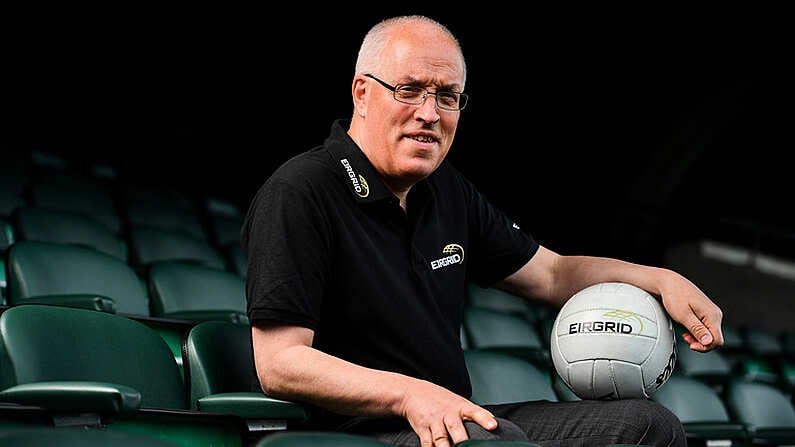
359, 90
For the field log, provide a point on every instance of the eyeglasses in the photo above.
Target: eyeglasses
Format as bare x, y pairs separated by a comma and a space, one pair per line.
411, 94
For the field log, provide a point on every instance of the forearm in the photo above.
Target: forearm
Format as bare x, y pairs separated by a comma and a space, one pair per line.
302, 373
553, 278
578, 272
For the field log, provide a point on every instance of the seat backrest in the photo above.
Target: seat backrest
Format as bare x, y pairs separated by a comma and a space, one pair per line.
218, 359
190, 223
45, 268
238, 261
66, 227
77, 437
500, 300
501, 378
150, 244
711, 367
318, 439
91, 197
763, 408
691, 400
511, 333
54, 343
183, 287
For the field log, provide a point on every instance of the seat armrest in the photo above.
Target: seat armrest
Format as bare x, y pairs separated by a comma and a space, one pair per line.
233, 316
75, 396
83, 301
251, 405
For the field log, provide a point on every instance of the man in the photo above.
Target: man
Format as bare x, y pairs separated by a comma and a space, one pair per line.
359, 255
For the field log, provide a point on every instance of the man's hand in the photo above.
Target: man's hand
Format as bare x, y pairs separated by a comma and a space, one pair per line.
688, 305
437, 415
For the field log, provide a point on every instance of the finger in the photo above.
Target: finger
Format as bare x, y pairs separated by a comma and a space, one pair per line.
426, 438
440, 436
458, 432
482, 417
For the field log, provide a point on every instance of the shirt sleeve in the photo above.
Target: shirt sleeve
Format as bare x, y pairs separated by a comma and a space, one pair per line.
500, 246
284, 239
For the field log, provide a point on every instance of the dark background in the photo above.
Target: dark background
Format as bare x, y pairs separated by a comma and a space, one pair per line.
608, 132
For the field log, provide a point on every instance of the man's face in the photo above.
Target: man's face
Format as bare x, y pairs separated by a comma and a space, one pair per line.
407, 142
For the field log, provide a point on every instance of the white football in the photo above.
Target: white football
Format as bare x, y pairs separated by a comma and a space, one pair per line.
613, 341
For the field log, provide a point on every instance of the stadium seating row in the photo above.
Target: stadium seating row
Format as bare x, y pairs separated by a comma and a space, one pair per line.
123, 315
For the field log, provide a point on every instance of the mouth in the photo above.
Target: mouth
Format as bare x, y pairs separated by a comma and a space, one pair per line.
423, 138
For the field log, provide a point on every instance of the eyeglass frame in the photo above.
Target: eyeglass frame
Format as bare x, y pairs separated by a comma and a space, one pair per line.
394, 89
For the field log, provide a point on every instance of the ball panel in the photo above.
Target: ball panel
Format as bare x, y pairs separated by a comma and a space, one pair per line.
613, 340
629, 348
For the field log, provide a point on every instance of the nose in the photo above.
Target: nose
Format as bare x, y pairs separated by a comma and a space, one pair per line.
428, 111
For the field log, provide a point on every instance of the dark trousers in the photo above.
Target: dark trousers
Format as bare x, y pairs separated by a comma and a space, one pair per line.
557, 424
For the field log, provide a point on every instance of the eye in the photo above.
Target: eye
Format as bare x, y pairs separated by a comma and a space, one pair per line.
447, 98
409, 91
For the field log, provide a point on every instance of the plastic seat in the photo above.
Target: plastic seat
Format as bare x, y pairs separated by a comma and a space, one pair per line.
766, 411
52, 273
77, 437
318, 439
196, 293
502, 301
156, 196
173, 219
238, 261
12, 189
225, 230
701, 410
504, 332
709, 367
66, 227
220, 373
6, 240
96, 369
149, 244
70, 275
83, 194
499, 378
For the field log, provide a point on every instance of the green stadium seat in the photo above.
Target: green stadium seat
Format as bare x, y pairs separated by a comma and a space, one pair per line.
710, 367
196, 292
77, 437
318, 439
70, 275
500, 300
173, 219
238, 261
219, 366
701, 410
12, 192
83, 194
149, 244
504, 332
95, 369
66, 227
562, 389
765, 410
499, 378
53, 273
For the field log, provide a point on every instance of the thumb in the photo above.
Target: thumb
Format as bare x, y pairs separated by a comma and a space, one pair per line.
700, 330
482, 417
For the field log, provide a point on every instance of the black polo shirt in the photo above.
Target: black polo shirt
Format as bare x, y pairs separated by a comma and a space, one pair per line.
330, 249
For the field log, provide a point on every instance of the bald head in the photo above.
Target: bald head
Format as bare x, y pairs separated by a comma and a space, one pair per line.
384, 35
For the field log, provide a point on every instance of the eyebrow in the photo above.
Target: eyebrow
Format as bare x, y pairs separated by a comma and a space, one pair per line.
446, 88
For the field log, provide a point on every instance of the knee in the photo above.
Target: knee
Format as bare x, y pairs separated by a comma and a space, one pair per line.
658, 424
505, 431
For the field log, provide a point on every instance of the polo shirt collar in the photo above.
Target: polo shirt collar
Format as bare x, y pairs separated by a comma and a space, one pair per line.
364, 182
